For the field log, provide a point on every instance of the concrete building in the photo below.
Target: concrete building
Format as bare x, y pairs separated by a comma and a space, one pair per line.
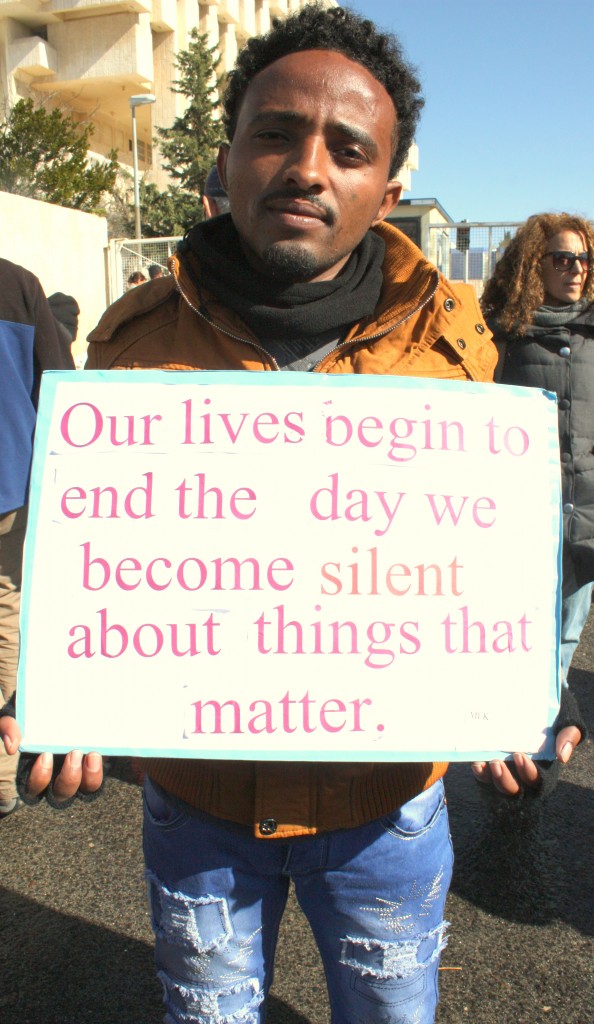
90, 56
416, 217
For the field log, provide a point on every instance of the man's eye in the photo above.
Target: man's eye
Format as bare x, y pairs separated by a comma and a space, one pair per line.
351, 153
271, 135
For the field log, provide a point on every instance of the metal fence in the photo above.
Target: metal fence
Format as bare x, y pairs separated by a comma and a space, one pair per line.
127, 255
468, 251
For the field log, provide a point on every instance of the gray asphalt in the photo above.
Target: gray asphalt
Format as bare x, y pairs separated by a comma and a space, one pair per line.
76, 944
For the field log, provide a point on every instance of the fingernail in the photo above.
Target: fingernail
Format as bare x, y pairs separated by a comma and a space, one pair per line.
94, 762
76, 758
519, 760
496, 770
566, 752
46, 760
478, 767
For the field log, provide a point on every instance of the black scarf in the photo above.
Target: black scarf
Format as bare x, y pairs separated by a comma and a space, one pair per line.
274, 309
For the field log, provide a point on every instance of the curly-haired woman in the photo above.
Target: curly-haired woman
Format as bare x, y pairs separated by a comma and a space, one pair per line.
539, 304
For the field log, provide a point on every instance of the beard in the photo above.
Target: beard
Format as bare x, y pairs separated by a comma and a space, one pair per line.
292, 263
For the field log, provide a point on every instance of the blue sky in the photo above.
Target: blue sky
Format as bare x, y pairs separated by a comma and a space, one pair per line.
508, 124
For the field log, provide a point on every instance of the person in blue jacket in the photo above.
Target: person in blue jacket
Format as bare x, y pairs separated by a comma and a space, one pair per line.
29, 344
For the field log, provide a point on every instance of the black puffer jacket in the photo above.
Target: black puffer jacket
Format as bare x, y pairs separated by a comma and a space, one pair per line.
561, 359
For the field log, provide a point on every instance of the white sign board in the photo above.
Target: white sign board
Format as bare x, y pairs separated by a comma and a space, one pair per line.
291, 566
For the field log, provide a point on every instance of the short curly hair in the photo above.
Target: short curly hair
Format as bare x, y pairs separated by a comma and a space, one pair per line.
316, 27
516, 290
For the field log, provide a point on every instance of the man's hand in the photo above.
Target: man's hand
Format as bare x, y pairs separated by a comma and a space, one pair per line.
79, 772
10, 734
498, 774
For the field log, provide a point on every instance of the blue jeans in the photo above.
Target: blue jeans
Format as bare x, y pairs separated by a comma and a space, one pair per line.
575, 608
374, 897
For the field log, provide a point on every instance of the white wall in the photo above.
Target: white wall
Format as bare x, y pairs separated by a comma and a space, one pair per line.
65, 248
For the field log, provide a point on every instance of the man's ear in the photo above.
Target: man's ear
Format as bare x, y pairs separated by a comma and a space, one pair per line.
390, 200
222, 163
210, 209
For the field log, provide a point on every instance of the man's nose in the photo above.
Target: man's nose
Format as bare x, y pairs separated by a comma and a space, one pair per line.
307, 165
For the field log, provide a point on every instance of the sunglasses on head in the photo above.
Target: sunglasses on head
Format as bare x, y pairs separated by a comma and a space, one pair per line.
563, 260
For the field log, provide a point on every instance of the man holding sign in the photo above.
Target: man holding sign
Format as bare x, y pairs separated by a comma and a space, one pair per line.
304, 274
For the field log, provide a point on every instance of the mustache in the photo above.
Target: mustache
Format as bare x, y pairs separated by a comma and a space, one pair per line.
311, 197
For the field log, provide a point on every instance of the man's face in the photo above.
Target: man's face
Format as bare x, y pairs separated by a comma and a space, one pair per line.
307, 170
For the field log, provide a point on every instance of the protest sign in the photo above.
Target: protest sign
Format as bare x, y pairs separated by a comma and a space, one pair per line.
291, 566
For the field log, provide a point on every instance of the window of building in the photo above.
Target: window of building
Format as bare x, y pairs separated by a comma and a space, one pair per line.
145, 151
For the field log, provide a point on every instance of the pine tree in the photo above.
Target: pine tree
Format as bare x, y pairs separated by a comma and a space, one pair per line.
43, 155
165, 214
189, 146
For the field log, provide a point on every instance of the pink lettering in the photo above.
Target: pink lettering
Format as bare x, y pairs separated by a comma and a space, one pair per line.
114, 639
106, 503
276, 634
83, 424
265, 419
192, 501
327, 503
480, 509
289, 714
462, 635
191, 574
366, 574
515, 439
73, 495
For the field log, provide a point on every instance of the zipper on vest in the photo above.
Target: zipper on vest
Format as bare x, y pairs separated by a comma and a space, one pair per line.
381, 334
351, 341
223, 330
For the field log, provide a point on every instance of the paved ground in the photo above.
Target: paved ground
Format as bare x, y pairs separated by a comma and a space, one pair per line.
75, 941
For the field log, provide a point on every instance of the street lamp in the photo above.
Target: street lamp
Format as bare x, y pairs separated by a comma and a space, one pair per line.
137, 101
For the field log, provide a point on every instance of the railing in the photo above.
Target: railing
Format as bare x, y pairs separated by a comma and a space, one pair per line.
468, 251
127, 255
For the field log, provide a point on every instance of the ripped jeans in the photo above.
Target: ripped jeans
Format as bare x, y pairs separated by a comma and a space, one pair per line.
374, 897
